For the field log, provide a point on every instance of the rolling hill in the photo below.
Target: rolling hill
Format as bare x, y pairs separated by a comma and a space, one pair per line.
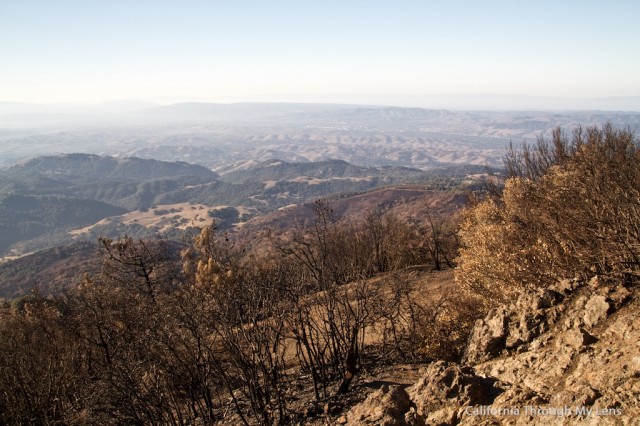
246, 226
46, 198
24, 217
76, 168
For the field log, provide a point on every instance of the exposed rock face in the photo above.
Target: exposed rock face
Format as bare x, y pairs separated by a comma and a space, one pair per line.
509, 327
489, 336
564, 355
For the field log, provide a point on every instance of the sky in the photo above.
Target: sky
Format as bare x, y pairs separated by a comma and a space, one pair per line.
161, 50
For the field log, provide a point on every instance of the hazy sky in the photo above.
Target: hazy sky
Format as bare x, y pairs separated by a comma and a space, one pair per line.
102, 50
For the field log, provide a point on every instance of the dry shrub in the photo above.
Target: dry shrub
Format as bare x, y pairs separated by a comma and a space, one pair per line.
571, 207
445, 326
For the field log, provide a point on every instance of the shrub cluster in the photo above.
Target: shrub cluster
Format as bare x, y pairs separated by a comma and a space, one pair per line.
570, 207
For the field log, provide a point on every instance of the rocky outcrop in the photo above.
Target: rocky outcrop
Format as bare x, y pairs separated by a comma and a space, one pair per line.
388, 406
446, 389
563, 355
509, 327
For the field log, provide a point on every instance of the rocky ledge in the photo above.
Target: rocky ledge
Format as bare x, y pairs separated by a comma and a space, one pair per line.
568, 354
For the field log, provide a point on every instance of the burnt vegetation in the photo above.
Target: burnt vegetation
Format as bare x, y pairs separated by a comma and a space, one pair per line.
219, 332
224, 333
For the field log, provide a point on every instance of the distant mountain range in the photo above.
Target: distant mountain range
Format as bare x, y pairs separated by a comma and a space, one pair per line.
44, 201
290, 103
218, 136
466, 102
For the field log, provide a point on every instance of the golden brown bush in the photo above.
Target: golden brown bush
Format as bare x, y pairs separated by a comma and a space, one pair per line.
445, 326
571, 207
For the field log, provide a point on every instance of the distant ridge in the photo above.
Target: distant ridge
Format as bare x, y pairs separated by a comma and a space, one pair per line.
275, 170
244, 111
90, 167
288, 102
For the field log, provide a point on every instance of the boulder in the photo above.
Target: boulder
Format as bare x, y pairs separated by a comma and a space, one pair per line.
387, 406
488, 337
446, 389
509, 327
596, 309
